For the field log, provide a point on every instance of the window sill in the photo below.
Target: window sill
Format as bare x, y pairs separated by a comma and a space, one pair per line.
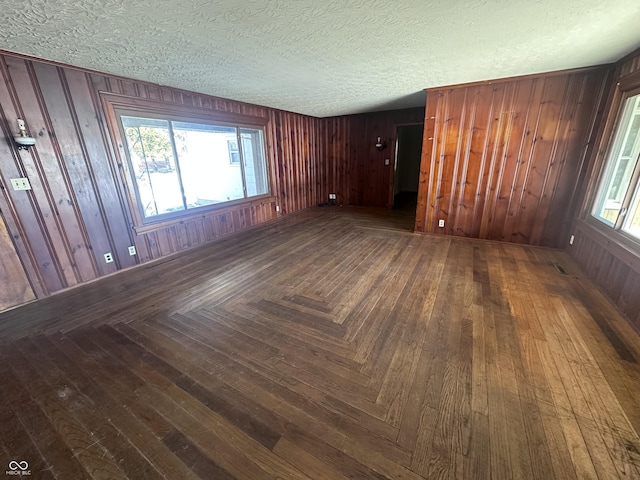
203, 212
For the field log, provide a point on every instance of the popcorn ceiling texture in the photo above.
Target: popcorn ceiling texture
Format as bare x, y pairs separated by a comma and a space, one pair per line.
318, 57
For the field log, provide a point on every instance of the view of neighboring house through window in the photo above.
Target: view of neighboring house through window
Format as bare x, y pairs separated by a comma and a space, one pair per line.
182, 165
618, 200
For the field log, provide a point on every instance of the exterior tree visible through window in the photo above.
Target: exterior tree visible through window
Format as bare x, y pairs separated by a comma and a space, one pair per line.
182, 165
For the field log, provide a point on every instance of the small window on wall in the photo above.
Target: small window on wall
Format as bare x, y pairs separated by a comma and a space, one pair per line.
180, 165
618, 201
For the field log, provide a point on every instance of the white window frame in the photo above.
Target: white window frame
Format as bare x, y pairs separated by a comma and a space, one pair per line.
627, 197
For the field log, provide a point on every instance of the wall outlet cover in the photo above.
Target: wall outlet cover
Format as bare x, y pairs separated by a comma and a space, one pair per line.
20, 183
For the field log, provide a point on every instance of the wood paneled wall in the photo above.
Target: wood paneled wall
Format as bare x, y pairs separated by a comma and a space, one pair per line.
500, 160
615, 270
13, 279
357, 169
336, 134
612, 265
78, 208
301, 168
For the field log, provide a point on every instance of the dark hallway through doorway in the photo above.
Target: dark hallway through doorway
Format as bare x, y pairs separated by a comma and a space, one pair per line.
407, 167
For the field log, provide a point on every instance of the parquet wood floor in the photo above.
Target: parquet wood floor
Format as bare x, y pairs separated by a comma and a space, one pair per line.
331, 344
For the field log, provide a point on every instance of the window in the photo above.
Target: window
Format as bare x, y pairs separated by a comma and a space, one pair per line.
181, 165
618, 201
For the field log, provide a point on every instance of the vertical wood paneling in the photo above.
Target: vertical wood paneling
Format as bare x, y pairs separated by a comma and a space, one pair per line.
527, 149
356, 170
613, 267
570, 175
19, 216
616, 275
21, 248
80, 207
33, 207
102, 168
500, 159
15, 285
75, 189
468, 166
297, 160
336, 149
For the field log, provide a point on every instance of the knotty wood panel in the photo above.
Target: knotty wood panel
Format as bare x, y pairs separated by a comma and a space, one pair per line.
300, 180
15, 285
501, 160
35, 211
613, 265
79, 207
357, 170
335, 147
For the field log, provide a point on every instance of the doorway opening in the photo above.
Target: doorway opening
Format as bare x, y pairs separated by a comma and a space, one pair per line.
407, 167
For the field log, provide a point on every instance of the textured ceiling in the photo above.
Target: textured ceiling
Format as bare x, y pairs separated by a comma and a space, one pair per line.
318, 57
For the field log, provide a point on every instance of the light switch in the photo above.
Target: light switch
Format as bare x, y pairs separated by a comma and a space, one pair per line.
386, 161
20, 184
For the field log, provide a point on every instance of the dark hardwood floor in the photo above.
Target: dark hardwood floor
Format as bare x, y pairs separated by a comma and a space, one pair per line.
331, 344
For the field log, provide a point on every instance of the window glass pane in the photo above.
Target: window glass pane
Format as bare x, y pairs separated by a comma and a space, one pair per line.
151, 153
180, 165
210, 171
620, 164
632, 220
255, 167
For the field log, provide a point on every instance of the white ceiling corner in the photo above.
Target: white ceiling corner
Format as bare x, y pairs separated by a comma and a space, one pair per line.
321, 58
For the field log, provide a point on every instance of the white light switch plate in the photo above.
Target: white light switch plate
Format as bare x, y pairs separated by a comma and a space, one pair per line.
20, 184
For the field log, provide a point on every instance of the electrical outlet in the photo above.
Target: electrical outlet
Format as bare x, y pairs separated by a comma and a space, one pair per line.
441, 223
332, 196
571, 238
277, 208
20, 183
108, 258
386, 161
132, 250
